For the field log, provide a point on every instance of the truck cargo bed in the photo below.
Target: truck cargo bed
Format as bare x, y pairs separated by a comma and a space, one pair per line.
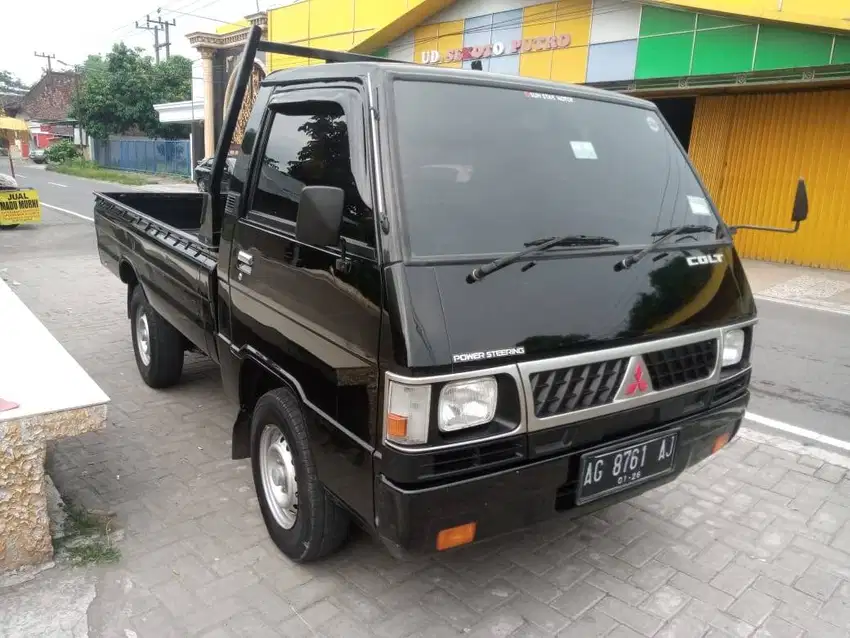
178, 210
152, 239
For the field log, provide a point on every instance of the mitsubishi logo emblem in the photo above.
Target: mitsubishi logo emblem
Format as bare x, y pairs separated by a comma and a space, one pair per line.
637, 382
639, 385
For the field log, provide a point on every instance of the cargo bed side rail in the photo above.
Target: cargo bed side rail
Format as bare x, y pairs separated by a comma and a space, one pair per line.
168, 236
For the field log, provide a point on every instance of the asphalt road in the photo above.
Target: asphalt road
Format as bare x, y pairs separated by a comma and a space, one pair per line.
801, 368
64, 191
801, 362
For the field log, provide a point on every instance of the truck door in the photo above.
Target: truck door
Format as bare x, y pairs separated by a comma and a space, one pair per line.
314, 311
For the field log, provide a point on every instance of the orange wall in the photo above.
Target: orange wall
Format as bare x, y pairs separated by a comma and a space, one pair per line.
751, 149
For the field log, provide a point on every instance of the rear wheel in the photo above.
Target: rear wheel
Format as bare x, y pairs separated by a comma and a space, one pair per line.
157, 345
9, 226
301, 517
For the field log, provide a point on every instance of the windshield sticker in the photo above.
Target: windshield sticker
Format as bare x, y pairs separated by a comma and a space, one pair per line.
654, 126
584, 150
548, 96
699, 206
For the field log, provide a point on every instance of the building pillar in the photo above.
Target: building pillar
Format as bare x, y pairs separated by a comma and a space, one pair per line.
209, 102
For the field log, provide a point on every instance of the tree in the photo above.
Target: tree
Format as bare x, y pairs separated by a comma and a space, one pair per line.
117, 93
11, 85
172, 80
11, 92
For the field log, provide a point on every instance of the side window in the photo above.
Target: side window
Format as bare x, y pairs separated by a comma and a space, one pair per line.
308, 146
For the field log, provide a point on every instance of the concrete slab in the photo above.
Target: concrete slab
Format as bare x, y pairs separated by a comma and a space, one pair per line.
54, 604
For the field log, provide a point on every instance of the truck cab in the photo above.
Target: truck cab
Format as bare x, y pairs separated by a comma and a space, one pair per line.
450, 304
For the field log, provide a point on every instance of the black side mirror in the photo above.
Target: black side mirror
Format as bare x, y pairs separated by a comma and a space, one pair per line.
798, 215
320, 215
801, 203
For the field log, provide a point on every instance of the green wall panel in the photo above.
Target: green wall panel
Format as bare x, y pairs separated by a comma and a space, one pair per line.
781, 48
656, 21
682, 43
841, 54
664, 56
724, 50
714, 22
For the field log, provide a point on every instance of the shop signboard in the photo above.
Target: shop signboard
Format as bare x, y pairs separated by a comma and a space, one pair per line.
497, 49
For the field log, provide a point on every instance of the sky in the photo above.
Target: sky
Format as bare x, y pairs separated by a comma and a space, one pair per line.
74, 29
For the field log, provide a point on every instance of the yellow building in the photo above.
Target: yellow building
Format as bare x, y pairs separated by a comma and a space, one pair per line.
756, 90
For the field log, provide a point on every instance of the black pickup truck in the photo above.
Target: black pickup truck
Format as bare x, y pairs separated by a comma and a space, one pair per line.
447, 303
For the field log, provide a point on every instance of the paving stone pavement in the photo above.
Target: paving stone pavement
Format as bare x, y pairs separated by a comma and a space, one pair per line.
753, 542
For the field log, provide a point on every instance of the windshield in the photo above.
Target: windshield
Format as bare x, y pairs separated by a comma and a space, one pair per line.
484, 169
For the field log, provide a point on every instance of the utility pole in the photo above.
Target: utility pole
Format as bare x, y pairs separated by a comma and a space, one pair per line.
48, 56
155, 29
163, 24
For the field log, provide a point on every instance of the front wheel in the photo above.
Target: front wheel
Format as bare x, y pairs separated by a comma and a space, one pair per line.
302, 519
157, 345
9, 226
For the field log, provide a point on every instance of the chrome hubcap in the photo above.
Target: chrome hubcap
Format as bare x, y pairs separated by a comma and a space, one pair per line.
143, 338
277, 470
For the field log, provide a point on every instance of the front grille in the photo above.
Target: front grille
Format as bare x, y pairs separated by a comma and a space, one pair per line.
485, 455
576, 388
680, 365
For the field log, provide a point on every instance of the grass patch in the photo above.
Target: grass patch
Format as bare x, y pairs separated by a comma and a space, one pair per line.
81, 168
87, 539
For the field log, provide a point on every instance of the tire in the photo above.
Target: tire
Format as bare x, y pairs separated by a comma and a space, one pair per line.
316, 525
9, 226
159, 356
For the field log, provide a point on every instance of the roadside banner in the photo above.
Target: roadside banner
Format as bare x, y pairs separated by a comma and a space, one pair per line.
19, 207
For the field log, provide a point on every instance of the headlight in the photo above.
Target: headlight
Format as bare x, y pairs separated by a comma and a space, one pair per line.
465, 404
733, 347
408, 409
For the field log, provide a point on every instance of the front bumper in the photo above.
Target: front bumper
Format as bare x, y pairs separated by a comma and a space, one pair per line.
408, 521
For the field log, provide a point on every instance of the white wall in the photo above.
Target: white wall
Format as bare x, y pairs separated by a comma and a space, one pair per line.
197, 81
614, 21
402, 48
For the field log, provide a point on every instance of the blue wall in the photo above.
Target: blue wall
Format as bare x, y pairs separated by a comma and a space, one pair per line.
146, 156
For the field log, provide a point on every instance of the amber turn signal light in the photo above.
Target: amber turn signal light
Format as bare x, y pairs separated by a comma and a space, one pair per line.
720, 441
396, 426
456, 536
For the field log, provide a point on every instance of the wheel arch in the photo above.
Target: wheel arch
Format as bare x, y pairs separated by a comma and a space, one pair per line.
128, 275
255, 379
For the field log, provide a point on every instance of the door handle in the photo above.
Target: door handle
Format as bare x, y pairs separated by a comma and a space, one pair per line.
245, 258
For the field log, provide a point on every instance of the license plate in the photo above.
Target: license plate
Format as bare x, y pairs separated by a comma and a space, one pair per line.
604, 473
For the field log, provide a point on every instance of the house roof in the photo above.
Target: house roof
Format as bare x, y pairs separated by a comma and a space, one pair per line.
50, 99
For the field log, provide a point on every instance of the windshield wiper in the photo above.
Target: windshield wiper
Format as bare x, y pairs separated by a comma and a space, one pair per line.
538, 246
663, 236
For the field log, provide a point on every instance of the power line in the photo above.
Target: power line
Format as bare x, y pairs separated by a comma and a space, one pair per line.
155, 28
201, 17
49, 57
163, 25
158, 25
128, 26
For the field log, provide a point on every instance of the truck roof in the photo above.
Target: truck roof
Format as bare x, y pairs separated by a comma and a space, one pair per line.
406, 69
